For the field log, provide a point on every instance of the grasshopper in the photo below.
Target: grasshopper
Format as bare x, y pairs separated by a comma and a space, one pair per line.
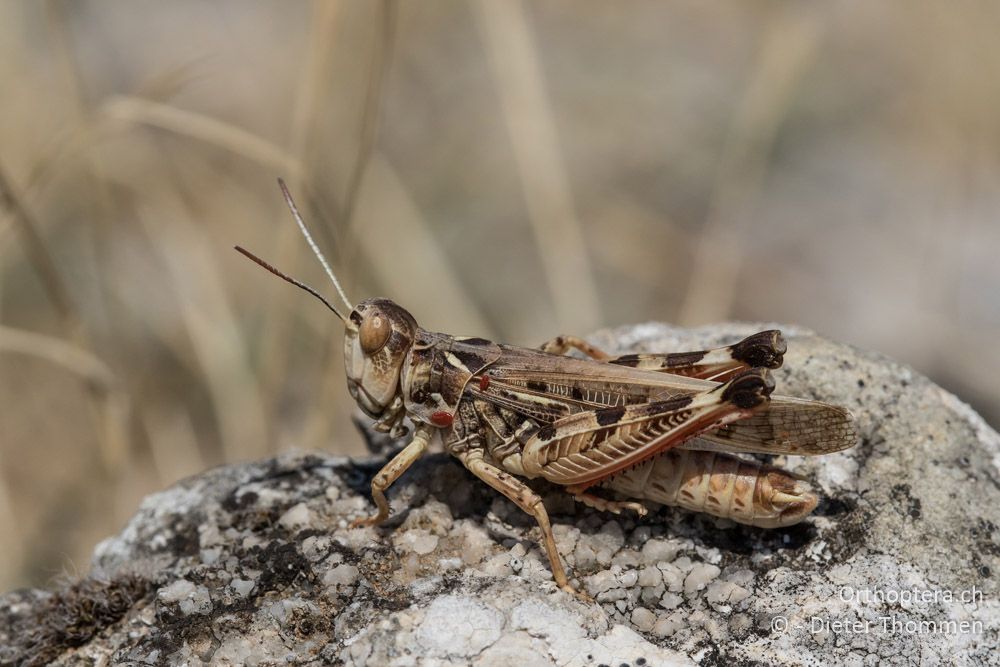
666, 428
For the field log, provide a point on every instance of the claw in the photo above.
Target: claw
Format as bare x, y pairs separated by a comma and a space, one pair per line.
638, 508
582, 596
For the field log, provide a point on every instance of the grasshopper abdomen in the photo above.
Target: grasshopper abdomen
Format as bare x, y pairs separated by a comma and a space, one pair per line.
720, 484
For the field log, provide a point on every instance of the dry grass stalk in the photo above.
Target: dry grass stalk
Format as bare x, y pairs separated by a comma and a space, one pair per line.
524, 99
788, 49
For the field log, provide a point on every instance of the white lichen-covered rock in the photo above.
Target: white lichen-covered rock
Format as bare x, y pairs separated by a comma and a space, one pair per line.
255, 565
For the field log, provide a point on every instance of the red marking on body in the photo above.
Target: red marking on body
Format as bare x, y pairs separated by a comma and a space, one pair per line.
484, 382
442, 418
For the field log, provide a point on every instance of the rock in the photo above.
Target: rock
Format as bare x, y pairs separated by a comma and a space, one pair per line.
659, 551
459, 626
190, 599
701, 574
254, 564
650, 577
297, 517
419, 541
643, 619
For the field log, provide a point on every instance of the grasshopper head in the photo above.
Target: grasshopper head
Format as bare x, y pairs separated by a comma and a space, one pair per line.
378, 336
378, 332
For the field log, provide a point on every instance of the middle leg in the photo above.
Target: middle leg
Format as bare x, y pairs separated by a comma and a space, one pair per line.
579, 493
563, 344
529, 502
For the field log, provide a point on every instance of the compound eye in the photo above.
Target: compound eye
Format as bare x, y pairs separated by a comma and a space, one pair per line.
374, 333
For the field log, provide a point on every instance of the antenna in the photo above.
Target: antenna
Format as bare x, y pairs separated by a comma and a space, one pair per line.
297, 283
312, 244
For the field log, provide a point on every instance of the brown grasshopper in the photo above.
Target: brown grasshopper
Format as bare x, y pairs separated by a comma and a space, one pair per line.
657, 427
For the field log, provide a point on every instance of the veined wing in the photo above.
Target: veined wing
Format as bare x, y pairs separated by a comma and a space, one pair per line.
586, 447
546, 387
787, 426
520, 365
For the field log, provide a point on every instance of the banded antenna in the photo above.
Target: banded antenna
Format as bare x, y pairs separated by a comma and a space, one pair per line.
288, 278
312, 244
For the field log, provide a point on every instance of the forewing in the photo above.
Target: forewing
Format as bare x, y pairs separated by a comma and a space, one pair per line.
548, 387
585, 383
588, 446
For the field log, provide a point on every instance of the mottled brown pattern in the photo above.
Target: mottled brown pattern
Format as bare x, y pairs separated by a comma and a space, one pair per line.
625, 423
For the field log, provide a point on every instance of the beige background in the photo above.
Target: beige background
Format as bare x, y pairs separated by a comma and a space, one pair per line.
503, 169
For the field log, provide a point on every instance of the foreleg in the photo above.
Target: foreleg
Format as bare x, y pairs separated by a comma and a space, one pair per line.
391, 472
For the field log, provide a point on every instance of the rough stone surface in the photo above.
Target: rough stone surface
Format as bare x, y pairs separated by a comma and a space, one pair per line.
254, 564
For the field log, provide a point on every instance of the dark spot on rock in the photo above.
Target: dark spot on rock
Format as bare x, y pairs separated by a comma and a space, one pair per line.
282, 563
983, 533
984, 571
861, 383
238, 501
184, 540
908, 504
640, 661
305, 623
835, 506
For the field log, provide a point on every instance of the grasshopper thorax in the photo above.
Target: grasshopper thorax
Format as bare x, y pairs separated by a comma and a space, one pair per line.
378, 335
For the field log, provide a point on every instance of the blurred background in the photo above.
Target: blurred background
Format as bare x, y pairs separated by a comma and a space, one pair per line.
506, 169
